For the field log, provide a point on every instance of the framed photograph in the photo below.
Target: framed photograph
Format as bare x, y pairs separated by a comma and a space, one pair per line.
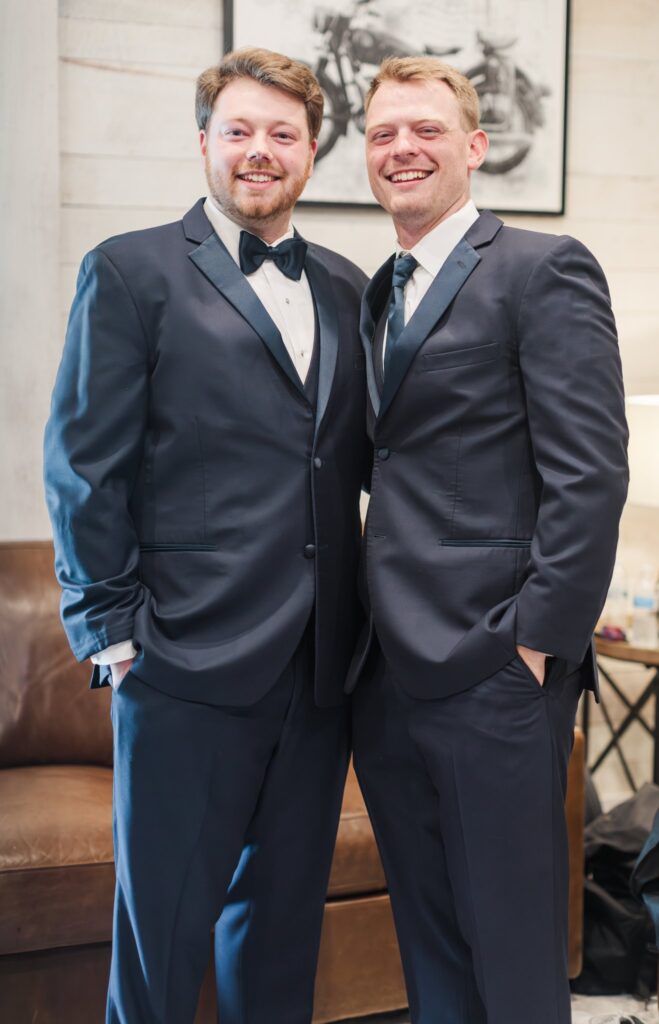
514, 52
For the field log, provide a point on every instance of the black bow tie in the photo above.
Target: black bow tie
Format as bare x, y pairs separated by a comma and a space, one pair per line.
288, 256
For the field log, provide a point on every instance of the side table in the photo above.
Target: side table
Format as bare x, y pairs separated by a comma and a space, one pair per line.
620, 650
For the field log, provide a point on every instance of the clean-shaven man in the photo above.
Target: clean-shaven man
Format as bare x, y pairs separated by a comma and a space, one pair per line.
496, 410
204, 458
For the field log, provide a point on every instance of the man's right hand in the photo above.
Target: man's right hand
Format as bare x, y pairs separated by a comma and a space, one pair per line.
119, 671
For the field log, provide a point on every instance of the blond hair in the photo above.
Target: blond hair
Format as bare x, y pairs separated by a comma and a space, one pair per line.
267, 68
430, 69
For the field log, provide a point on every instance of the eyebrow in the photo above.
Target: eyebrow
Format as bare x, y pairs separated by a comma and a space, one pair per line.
420, 120
246, 120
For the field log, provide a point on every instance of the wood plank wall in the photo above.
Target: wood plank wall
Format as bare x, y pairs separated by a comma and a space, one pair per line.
30, 336
128, 141
129, 149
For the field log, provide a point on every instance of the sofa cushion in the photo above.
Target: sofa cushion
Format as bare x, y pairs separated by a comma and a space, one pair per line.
55, 856
356, 868
47, 714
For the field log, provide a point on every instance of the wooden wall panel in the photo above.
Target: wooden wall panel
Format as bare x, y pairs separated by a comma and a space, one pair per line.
140, 45
621, 29
206, 14
29, 213
126, 112
145, 182
633, 198
82, 228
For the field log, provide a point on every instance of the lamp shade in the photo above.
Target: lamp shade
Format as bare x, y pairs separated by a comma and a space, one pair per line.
643, 418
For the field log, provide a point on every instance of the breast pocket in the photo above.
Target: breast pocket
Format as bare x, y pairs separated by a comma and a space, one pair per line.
465, 356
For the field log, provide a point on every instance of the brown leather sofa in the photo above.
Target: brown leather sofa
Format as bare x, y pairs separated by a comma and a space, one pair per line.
56, 870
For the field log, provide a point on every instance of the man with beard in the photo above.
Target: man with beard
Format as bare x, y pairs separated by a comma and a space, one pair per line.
497, 414
204, 458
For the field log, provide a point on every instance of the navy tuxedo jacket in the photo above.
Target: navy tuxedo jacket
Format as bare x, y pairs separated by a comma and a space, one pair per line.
500, 461
201, 503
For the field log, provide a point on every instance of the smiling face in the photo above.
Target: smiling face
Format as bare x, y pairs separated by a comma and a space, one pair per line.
258, 155
419, 155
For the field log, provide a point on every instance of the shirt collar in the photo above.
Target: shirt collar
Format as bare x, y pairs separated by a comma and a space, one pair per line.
228, 231
433, 249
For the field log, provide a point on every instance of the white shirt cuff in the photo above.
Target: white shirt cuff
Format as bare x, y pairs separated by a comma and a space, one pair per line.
116, 652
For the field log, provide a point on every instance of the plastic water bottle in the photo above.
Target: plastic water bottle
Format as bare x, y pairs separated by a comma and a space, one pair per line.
644, 609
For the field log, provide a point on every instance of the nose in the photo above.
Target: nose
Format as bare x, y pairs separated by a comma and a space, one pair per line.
405, 144
259, 148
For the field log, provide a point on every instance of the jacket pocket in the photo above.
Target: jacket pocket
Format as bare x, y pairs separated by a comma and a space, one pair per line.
484, 542
460, 357
146, 547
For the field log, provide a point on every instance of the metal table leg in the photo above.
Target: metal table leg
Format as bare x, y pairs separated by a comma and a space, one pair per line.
633, 715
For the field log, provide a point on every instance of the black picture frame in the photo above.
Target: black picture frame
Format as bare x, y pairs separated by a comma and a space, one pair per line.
523, 110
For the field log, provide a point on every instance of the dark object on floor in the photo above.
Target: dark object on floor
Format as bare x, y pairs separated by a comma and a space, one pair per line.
617, 928
645, 877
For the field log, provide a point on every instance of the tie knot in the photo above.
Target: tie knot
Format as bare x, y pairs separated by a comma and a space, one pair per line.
404, 267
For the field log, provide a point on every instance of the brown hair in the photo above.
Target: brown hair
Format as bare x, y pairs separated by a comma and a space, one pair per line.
267, 68
430, 69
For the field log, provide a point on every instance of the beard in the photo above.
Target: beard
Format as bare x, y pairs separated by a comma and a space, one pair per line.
247, 209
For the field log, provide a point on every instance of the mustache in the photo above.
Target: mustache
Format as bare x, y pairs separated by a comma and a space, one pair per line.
259, 168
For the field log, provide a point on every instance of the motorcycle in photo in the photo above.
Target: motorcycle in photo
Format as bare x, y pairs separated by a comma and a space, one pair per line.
350, 52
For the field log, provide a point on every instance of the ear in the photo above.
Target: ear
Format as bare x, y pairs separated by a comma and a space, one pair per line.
478, 147
313, 147
203, 142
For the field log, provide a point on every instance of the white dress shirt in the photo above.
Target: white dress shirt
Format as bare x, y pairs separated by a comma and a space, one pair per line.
290, 305
431, 253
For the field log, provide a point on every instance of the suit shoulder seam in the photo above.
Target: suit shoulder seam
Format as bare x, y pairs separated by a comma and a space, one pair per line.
128, 292
532, 272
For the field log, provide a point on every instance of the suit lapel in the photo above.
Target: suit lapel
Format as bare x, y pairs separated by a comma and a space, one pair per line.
328, 335
368, 318
215, 263
460, 264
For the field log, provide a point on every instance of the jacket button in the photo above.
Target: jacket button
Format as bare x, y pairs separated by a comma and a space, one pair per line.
309, 550
383, 453
317, 462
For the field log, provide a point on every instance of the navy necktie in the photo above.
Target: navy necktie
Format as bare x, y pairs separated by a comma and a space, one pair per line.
404, 267
288, 256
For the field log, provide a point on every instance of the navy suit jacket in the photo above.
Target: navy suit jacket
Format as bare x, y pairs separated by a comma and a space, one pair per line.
500, 462
201, 504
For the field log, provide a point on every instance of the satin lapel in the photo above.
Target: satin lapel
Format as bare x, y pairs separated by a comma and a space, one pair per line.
459, 265
367, 325
328, 331
214, 262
